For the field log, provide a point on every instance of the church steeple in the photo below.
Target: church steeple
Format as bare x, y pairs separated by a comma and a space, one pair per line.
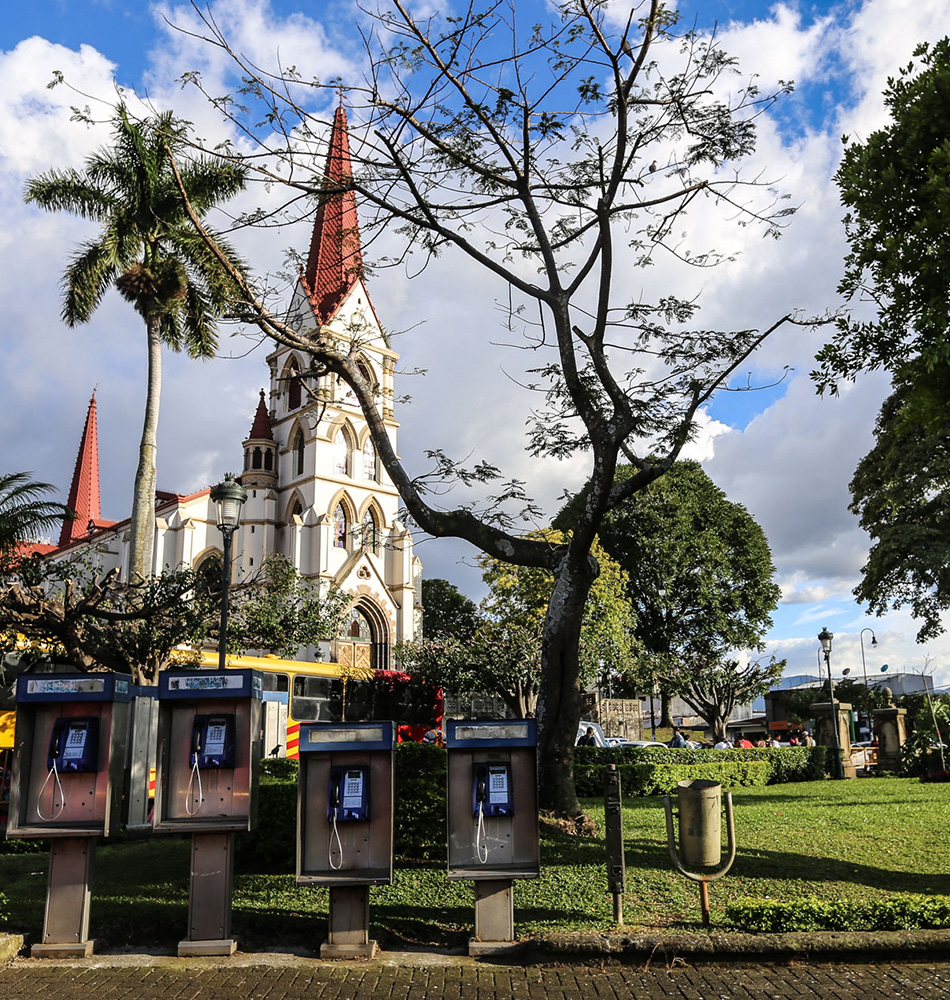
260, 450
335, 262
84, 491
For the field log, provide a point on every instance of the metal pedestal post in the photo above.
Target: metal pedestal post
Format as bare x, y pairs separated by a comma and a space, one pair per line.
209, 897
68, 897
348, 928
494, 917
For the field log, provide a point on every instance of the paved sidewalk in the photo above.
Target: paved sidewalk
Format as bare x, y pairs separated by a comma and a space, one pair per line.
433, 977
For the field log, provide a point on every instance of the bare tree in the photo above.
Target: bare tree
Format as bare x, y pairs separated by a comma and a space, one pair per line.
559, 160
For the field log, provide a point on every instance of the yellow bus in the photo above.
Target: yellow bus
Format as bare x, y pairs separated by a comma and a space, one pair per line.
298, 691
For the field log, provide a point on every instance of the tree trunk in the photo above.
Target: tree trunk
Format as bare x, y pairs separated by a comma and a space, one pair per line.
143, 496
666, 716
560, 695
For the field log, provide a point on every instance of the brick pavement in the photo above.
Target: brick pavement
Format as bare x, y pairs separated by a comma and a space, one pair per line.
288, 978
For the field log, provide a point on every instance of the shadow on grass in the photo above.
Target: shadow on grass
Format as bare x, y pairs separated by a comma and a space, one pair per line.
768, 865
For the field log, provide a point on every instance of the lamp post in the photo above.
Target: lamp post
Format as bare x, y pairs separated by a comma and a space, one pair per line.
864, 667
228, 497
825, 637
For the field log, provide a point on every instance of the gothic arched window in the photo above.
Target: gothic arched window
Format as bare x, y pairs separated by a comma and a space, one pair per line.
369, 461
293, 385
298, 450
341, 454
369, 532
339, 527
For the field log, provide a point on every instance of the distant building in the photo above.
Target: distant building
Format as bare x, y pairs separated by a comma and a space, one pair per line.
316, 491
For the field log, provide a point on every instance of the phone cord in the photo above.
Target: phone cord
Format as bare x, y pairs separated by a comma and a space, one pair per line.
339, 845
195, 774
54, 813
480, 838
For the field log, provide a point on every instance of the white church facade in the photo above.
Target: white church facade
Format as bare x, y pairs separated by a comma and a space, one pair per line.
317, 493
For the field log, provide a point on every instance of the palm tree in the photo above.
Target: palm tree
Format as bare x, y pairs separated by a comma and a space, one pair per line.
149, 250
23, 513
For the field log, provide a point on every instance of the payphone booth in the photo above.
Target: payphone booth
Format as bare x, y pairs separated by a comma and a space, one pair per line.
345, 824
67, 785
209, 751
492, 804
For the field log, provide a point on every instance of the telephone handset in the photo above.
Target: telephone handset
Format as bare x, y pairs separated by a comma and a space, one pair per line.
491, 790
348, 796
74, 746
73, 749
347, 802
491, 796
212, 742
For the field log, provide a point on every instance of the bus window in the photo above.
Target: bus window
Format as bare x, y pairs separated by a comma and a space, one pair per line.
316, 699
275, 682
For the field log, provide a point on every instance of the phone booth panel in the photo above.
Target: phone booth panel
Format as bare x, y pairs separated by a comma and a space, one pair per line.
209, 740
345, 804
492, 800
72, 733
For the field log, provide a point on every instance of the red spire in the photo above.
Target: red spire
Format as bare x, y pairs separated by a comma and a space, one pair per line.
261, 429
335, 262
84, 491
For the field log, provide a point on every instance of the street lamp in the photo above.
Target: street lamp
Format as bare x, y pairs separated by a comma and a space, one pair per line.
864, 667
825, 637
228, 498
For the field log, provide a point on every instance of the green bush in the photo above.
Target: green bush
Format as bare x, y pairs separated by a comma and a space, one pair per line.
4, 910
784, 764
661, 779
420, 830
419, 816
271, 847
896, 913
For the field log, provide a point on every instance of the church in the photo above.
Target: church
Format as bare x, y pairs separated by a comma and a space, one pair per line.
317, 493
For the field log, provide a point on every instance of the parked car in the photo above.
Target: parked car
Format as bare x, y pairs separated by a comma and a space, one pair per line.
617, 741
644, 743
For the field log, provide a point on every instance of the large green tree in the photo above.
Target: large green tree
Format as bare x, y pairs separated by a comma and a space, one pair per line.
148, 250
502, 654
896, 188
699, 573
24, 513
558, 168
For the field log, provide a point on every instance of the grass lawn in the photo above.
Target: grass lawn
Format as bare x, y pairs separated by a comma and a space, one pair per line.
859, 840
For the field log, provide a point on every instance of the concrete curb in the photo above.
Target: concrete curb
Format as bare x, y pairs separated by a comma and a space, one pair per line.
577, 946
718, 945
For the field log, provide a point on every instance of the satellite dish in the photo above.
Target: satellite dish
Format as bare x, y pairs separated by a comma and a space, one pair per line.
883, 668
846, 671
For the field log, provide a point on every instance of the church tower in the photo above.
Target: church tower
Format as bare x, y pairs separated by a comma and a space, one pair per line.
317, 492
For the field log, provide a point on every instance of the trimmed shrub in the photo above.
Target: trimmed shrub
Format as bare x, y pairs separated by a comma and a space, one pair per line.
812, 913
420, 828
271, 847
783, 764
419, 820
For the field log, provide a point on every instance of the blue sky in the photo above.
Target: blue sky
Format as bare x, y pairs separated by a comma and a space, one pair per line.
783, 452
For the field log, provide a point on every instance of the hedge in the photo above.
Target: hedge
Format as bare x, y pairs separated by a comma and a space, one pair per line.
419, 820
649, 770
812, 913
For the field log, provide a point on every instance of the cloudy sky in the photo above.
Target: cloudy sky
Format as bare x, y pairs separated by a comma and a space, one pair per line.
786, 454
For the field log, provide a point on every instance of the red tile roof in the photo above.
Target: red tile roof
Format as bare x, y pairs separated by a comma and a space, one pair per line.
335, 262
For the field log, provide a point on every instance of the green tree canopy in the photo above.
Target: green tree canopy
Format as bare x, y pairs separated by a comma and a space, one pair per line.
447, 611
896, 187
279, 611
148, 249
698, 567
502, 656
